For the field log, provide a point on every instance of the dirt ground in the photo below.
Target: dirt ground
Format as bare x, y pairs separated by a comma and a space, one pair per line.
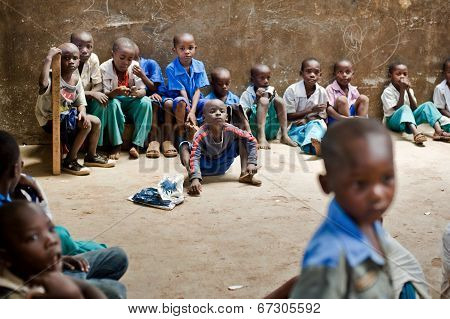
236, 234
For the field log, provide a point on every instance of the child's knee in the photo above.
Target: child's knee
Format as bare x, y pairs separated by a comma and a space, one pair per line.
168, 105
363, 99
341, 100
155, 106
263, 102
278, 101
94, 120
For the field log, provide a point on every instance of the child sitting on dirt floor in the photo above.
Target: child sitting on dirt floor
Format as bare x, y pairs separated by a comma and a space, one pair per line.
150, 73
76, 125
441, 96
127, 100
306, 103
220, 85
216, 145
30, 257
346, 258
185, 77
401, 112
445, 288
106, 265
265, 109
343, 98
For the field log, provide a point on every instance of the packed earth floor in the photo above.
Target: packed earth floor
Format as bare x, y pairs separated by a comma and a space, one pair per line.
236, 234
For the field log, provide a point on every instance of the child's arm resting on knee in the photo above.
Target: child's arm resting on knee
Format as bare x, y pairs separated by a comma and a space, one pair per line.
97, 94
191, 116
82, 116
44, 78
137, 93
302, 114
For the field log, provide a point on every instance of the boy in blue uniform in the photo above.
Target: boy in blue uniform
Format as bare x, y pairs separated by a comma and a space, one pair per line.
185, 77
346, 258
150, 73
220, 85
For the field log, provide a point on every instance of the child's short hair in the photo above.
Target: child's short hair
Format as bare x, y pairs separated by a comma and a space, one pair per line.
394, 65
446, 62
122, 42
343, 132
216, 71
340, 61
177, 37
9, 151
78, 34
10, 213
302, 66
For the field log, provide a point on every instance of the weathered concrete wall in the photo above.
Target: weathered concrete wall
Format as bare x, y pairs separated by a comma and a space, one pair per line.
229, 33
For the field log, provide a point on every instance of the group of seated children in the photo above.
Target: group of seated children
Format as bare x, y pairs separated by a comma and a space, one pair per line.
39, 259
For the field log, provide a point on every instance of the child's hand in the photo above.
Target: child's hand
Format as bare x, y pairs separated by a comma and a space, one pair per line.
405, 84
191, 118
134, 92
156, 97
82, 117
30, 182
138, 71
122, 90
252, 169
56, 285
75, 263
260, 92
52, 52
195, 188
100, 97
318, 108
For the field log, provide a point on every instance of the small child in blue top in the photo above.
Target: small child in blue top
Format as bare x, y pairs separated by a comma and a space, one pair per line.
185, 77
346, 258
150, 73
220, 89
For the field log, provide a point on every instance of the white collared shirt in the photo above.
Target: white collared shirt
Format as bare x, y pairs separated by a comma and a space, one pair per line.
441, 96
296, 99
111, 81
390, 98
91, 75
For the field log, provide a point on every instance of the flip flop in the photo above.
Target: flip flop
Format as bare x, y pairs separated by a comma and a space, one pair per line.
420, 138
168, 149
441, 137
153, 150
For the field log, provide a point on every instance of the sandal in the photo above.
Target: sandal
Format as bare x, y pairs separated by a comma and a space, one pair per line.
420, 138
441, 137
134, 153
168, 149
153, 150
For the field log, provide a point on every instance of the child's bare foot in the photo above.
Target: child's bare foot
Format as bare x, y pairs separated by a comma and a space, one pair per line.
419, 139
317, 147
115, 153
249, 179
134, 154
263, 144
287, 140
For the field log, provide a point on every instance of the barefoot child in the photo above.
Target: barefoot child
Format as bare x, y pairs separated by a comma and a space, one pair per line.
220, 89
401, 112
346, 256
126, 99
441, 96
185, 77
265, 109
215, 147
76, 125
306, 103
343, 98
150, 73
30, 257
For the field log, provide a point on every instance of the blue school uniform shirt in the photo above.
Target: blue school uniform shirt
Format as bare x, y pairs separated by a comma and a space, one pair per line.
230, 100
154, 73
340, 261
178, 79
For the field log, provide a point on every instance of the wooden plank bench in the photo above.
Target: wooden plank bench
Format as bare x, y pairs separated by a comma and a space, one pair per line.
56, 138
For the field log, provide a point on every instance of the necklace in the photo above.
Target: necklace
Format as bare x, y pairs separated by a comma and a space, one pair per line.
221, 140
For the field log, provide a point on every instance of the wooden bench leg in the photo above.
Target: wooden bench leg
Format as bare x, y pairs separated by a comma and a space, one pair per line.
56, 139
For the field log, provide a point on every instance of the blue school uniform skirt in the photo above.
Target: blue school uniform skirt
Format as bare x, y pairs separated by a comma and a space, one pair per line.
302, 134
